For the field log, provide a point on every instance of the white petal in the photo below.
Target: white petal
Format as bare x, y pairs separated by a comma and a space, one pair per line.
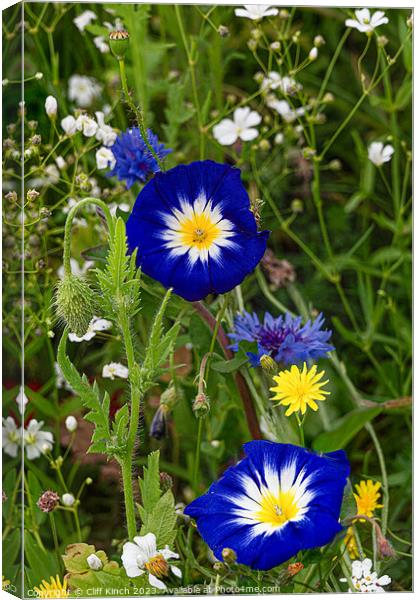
167, 553
249, 134
384, 580
147, 543
225, 132
253, 119
156, 582
176, 571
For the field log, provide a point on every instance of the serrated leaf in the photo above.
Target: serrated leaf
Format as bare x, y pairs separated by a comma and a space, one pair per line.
150, 482
161, 520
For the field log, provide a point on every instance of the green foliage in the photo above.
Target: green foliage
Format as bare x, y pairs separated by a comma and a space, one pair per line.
157, 510
345, 430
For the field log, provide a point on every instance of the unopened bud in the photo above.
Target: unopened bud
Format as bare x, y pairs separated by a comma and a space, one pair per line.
89, 480
319, 41
223, 31
267, 363
166, 482
119, 42
71, 423
201, 405
11, 196
328, 98
313, 54
32, 195
335, 165
275, 46
297, 205
264, 145
382, 41
385, 549
252, 45
75, 303
94, 562
39, 75
168, 397
68, 499
294, 568
229, 556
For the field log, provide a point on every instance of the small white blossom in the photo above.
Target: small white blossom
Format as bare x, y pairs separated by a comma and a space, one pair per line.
313, 54
39, 75
94, 562
380, 154
241, 127
86, 125
363, 580
96, 324
52, 174
22, 400
365, 22
68, 499
255, 12
60, 162
83, 90
284, 109
105, 133
76, 269
10, 437
124, 207
105, 158
113, 370
69, 125
287, 85
71, 423
101, 45
279, 138
37, 442
142, 555
84, 19
51, 107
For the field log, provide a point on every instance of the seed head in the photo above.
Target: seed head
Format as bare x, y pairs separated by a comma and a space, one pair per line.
75, 303
119, 42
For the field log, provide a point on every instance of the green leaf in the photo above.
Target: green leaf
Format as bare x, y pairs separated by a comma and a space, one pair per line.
161, 520
346, 429
150, 482
228, 366
43, 564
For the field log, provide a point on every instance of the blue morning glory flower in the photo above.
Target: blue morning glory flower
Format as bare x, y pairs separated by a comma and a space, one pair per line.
134, 161
278, 500
283, 338
194, 230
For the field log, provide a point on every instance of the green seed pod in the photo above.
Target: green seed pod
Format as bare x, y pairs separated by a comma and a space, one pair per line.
75, 303
118, 42
201, 405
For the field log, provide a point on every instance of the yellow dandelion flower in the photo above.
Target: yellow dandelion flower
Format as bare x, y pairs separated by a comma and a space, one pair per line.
350, 544
299, 389
52, 589
367, 497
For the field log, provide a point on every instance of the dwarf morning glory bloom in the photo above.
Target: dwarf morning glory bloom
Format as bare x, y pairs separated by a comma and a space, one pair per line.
278, 500
194, 230
134, 161
283, 338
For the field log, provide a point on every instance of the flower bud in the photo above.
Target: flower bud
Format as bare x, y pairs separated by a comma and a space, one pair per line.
385, 549
223, 31
313, 54
166, 482
48, 501
94, 562
168, 397
51, 107
71, 423
294, 568
319, 41
264, 145
39, 75
11, 196
119, 42
201, 405
68, 499
275, 46
89, 480
31, 195
297, 205
267, 363
229, 556
158, 424
75, 303
335, 165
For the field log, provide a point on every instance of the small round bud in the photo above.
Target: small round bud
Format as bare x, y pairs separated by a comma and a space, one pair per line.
68, 499
284, 14
89, 481
256, 34
11, 196
223, 31
119, 42
48, 501
219, 567
229, 556
309, 152
94, 562
313, 54
71, 423
32, 195
35, 140
275, 46
264, 145
267, 363
45, 448
297, 205
279, 138
382, 41
32, 125
201, 405
39, 75
231, 98
319, 41
51, 107
44, 212
252, 45
328, 98
335, 165
166, 482
5, 82
75, 303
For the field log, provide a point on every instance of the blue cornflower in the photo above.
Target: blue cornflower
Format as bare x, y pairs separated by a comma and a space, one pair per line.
194, 230
284, 339
134, 161
278, 500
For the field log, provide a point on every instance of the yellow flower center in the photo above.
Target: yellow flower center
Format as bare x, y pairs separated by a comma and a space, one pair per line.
13, 437
157, 566
199, 231
277, 510
30, 438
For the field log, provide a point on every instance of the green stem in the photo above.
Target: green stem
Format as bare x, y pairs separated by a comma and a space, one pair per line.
55, 537
69, 221
300, 429
138, 113
197, 454
126, 470
77, 521
381, 460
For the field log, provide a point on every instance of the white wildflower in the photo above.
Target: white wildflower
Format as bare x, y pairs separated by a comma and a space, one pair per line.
256, 12
60, 162
142, 556
87, 125
105, 158
365, 22
101, 45
274, 81
10, 437
242, 126
105, 133
285, 110
113, 207
68, 499
380, 154
83, 90
84, 19
96, 324
113, 370
69, 125
364, 581
36, 442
